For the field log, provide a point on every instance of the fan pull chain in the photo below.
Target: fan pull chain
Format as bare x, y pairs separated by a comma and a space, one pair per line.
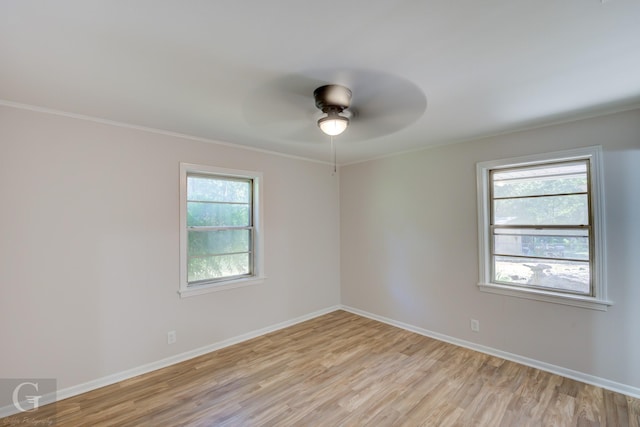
333, 153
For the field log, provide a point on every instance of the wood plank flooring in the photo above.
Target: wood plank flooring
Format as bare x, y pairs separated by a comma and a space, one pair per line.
341, 369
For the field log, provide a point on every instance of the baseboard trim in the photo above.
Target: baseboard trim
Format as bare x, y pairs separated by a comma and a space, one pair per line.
163, 363
543, 366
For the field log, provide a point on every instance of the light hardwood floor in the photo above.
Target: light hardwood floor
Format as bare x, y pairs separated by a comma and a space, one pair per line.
341, 369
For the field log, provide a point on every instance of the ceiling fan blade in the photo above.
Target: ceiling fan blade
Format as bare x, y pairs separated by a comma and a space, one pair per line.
371, 127
271, 105
383, 105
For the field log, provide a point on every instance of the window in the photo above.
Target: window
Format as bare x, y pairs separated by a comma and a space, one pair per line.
541, 228
220, 229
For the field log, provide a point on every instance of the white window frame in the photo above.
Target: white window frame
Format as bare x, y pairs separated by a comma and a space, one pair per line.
598, 301
258, 276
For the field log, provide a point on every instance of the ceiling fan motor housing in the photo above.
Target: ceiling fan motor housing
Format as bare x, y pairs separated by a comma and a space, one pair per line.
332, 98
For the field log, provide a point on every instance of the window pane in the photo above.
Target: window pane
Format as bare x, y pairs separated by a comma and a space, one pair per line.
217, 215
570, 276
540, 180
218, 266
571, 244
218, 189
218, 242
553, 210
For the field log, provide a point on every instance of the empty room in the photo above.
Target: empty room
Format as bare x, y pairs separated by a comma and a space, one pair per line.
284, 213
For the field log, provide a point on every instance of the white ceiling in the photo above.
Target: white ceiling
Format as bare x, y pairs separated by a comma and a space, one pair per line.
202, 68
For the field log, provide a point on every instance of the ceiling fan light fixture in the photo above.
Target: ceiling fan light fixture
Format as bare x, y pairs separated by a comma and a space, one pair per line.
333, 100
333, 124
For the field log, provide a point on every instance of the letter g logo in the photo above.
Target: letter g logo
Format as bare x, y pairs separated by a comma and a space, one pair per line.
33, 400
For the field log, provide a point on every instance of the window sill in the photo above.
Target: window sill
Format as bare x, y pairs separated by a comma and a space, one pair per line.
546, 296
222, 286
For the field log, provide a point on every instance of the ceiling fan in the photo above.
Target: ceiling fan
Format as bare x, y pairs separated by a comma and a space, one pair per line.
371, 104
333, 100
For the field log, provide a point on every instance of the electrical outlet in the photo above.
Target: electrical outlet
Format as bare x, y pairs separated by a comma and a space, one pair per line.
171, 337
475, 325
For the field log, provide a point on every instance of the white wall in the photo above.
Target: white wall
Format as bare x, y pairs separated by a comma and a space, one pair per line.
89, 247
410, 249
